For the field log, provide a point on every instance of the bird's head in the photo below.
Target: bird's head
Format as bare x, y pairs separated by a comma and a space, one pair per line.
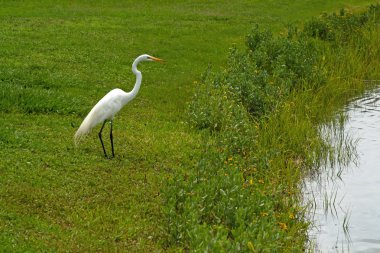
146, 57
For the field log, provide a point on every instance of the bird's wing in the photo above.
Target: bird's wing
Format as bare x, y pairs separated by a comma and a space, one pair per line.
105, 109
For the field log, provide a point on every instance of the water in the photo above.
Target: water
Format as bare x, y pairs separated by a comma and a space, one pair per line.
347, 200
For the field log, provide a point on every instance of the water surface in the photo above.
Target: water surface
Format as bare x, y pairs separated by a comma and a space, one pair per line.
347, 201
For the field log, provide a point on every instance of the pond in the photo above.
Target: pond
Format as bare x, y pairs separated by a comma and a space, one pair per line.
346, 200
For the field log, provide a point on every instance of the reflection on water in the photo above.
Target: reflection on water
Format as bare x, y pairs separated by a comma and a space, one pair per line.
347, 206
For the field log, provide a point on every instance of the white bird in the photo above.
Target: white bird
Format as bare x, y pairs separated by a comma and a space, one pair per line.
110, 104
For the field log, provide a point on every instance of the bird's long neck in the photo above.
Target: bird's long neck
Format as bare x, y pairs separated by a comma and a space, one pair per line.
135, 71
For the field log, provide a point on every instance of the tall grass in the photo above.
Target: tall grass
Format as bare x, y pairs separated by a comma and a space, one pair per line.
261, 120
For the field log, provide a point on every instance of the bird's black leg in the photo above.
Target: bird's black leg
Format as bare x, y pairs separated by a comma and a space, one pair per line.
111, 137
100, 137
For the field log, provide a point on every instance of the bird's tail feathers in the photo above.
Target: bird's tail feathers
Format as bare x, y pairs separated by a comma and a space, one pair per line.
78, 137
84, 129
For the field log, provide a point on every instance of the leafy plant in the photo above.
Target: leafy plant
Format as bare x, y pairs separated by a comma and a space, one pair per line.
340, 27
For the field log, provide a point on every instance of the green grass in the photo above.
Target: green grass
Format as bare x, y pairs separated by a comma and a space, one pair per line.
56, 60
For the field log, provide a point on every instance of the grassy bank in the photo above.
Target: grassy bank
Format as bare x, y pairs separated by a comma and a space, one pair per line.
261, 119
59, 58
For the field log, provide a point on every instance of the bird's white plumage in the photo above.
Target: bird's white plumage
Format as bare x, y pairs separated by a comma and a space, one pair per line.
112, 102
105, 109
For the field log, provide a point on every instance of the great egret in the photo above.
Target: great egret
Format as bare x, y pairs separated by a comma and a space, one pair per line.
110, 104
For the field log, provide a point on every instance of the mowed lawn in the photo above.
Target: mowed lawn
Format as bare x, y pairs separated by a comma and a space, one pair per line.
57, 59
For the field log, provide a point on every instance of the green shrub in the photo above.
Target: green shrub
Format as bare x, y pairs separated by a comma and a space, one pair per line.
271, 69
216, 208
258, 79
340, 27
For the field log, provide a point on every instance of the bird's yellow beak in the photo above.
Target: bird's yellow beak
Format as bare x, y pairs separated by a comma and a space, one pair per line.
156, 59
